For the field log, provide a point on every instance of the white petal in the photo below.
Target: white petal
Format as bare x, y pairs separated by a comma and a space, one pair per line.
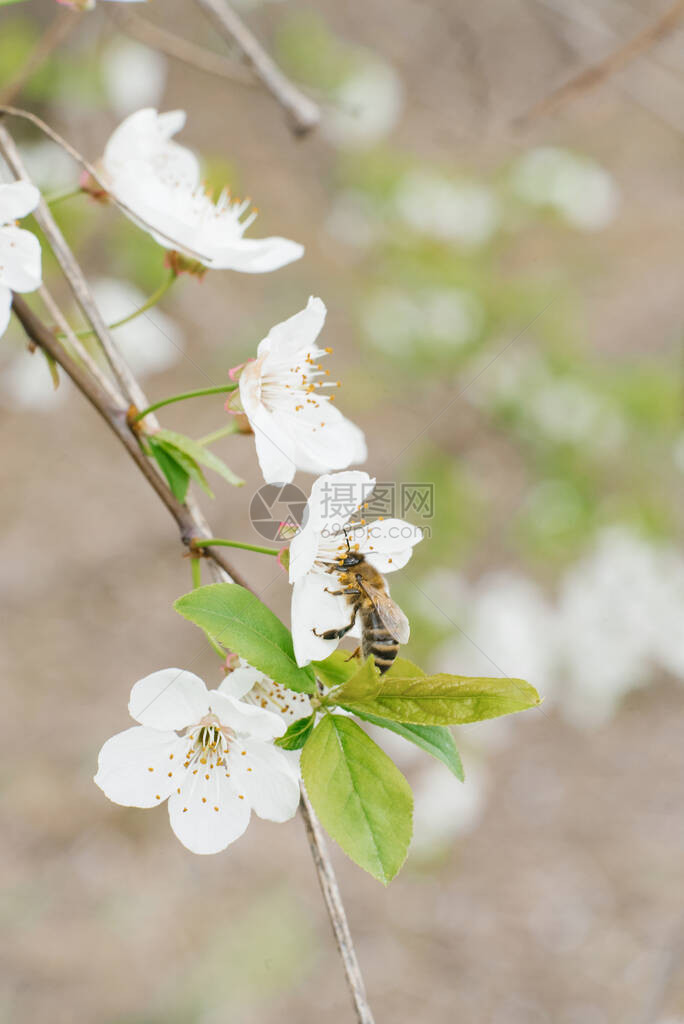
17, 200
298, 332
335, 445
169, 699
246, 718
141, 147
5, 308
314, 608
141, 767
253, 255
268, 779
274, 447
194, 816
303, 548
388, 543
20, 266
335, 498
241, 680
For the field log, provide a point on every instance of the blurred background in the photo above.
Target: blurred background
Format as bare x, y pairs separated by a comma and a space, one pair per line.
505, 307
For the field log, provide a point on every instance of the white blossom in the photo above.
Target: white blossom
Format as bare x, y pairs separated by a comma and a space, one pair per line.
20, 262
367, 106
159, 181
250, 684
222, 767
334, 518
295, 424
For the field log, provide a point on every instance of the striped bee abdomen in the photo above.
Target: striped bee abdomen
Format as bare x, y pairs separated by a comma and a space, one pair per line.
377, 641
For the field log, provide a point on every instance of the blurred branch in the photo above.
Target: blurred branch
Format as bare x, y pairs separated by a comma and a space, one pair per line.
55, 34
182, 49
614, 62
304, 113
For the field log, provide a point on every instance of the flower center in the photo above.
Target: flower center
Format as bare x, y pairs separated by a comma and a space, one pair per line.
209, 742
294, 389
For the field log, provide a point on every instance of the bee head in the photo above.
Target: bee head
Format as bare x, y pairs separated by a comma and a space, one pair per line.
351, 559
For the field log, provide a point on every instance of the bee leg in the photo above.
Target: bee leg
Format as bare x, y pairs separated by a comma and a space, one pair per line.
354, 654
335, 634
346, 593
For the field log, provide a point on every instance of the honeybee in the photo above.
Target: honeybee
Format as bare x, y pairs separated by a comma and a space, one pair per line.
383, 624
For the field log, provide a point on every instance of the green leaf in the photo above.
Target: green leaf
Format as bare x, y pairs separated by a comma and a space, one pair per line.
336, 669
238, 620
297, 734
188, 464
359, 794
340, 666
176, 476
435, 739
200, 454
434, 700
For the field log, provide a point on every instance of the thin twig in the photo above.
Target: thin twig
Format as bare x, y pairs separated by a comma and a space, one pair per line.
338, 918
76, 279
181, 49
77, 346
112, 408
304, 113
614, 62
55, 34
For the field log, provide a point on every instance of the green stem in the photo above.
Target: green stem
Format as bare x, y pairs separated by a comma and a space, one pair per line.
220, 390
59, 197
218, 434
151, 301
218, 542
196, 570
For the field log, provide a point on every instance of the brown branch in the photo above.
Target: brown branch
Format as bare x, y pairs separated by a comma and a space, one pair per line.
114, 412
303, 112
333, 901
182, 50
613, 63
55, 34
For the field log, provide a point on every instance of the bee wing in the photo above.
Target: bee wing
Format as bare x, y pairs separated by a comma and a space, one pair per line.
393, 619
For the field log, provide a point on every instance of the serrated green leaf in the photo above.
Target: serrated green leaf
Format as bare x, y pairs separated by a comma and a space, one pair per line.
188, 464
361, 797
176, 477
240, 621
435, 700
200, 454
297, 734
435, 739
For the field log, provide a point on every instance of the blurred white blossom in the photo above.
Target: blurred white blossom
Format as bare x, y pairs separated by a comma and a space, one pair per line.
134, 76
615, 620
466, 213
153, 341
365, 107
577, 187
442, 318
